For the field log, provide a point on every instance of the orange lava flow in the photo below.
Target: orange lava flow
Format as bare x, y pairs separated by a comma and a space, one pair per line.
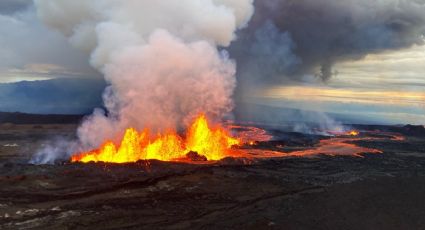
331, 147
250, 135
212, 143
335, 147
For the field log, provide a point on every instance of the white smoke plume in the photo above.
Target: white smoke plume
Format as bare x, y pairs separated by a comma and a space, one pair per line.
160, 58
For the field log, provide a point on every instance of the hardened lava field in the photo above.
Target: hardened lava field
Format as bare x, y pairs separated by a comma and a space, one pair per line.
291, 181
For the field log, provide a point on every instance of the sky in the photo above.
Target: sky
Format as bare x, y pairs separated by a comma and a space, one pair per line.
38, 66
385, 88
40, 72
30, 51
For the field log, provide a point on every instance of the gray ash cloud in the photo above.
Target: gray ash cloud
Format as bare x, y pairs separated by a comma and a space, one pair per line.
8, 7
294, 38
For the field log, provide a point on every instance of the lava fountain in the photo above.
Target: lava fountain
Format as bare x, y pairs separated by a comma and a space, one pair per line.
212, 143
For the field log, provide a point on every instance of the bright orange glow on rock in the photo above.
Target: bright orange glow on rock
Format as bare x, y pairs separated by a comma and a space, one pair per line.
213, 143
353, 133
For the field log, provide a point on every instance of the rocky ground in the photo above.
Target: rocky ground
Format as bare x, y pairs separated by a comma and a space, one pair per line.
375, 191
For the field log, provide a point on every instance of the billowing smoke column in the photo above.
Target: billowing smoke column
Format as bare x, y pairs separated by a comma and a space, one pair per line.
163, 66
159, 57
295, 38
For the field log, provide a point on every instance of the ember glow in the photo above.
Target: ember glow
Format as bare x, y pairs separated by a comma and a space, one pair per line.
212, 143
353, 133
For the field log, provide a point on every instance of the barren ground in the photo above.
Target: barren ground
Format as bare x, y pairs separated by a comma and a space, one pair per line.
376, 191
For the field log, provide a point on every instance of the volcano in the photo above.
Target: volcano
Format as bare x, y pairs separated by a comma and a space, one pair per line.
212, 114
277, 179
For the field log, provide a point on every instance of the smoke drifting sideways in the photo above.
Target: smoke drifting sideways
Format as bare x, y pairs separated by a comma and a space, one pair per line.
160, 59
294, 38
292, 42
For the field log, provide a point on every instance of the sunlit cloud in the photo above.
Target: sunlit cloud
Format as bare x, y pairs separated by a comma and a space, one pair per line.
381, 87
402, 70
29, 51
322, 94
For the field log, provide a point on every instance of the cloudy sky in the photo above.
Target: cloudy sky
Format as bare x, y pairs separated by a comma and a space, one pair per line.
383, 83
387, 87
29, 51
39, 71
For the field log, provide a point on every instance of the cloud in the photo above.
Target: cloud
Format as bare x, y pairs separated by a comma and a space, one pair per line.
397, 70
326, 94
325, 32
26, 45
8, 7
287, 42
161, 58
303, 43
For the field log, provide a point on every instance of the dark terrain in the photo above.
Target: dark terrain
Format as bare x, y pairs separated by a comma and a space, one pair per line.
24, 118
375, 191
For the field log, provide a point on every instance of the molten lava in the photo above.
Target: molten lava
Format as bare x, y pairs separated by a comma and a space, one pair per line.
212, 143
353, 133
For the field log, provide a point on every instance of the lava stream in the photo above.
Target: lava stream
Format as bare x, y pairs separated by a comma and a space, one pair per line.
201, 140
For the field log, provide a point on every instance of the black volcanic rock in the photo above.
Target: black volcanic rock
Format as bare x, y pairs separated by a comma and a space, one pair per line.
414, 130
338, 192
194, 156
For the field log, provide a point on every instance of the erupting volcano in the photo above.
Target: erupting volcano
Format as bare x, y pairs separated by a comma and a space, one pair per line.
211, 143
212, 114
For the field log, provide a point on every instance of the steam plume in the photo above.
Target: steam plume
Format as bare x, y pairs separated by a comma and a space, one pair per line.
159, 57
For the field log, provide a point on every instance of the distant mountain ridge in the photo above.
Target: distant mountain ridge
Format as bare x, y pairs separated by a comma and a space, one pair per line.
55, 96
25, 118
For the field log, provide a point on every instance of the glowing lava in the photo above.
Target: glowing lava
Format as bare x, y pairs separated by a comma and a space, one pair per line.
213, 143
250, 134
353, 133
